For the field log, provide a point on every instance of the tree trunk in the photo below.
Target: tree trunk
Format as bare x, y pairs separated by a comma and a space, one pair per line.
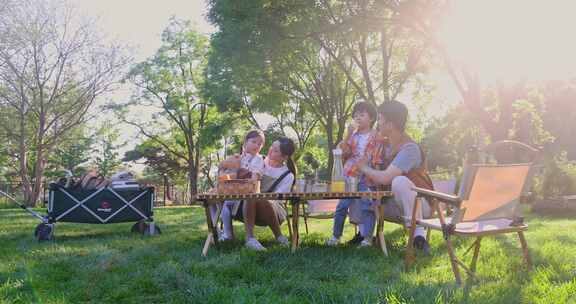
385, 66
38, 177
193, 181
23, 157
331, 145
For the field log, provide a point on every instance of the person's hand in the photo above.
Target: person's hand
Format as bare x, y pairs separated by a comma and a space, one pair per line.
346, 150
351, 128
362, 164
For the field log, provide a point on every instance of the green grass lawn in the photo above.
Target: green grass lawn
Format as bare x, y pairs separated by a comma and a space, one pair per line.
108, 264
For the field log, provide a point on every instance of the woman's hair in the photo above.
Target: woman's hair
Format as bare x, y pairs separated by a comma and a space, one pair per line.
287, 148
252, 134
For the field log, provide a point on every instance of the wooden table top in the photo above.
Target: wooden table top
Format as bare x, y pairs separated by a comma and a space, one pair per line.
293, 195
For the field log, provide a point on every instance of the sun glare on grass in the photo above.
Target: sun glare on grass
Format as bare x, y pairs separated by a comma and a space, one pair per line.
511, 40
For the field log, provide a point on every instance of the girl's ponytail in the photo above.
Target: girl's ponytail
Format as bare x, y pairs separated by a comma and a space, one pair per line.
292, 167
287, 148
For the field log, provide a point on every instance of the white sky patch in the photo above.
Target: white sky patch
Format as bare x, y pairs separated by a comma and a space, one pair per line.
514, 39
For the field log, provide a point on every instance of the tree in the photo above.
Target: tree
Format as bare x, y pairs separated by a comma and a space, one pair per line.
72, 153
53, 65
157, 159
317, 55
106, 158
169, 86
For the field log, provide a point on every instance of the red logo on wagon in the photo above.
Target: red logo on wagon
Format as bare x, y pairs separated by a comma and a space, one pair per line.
105, 205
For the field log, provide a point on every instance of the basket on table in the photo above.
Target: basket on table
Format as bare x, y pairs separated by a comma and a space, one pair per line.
238, 186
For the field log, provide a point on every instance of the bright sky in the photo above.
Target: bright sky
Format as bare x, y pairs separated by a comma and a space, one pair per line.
513, 39
140, 22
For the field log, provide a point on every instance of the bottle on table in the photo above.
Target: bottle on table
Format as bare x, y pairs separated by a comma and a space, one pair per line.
338, 183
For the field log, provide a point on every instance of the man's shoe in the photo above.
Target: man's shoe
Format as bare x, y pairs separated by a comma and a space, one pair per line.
365, 243
253, 244
356, 240
421, 244
333, 241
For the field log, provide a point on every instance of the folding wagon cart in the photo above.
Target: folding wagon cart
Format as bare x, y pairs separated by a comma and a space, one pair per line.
98, 206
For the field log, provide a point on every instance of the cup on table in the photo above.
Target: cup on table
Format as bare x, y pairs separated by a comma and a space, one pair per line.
301, 185
352, 184
319, 187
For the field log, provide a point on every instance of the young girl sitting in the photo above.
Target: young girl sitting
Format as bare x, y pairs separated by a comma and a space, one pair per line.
251, 165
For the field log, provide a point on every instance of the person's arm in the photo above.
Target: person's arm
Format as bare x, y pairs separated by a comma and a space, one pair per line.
345, 144
346, 151
378, 176
407, 159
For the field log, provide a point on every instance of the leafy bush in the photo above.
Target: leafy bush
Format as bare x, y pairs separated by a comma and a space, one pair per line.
558, 178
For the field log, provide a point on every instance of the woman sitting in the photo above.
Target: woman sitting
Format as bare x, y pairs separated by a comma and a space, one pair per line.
277, 176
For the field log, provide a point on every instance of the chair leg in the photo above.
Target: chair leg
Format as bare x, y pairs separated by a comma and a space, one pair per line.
305, 217
453, 261
476, 253
289, 225
409, 258
525, 251
295, 219
428, 230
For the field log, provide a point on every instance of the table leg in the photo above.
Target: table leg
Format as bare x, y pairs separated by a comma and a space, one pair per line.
207, 243
295, 218
212, 232
380, 229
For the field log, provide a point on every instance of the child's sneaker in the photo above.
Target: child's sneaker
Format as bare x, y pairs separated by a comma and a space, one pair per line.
365, 243
333, 241
253, 244
283, 241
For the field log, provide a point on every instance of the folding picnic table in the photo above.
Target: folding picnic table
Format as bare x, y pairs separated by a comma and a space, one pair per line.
295, 199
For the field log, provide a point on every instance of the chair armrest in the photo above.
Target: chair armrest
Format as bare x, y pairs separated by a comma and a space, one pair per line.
443, 197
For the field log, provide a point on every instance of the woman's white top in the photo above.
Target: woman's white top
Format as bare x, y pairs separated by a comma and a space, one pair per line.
285, 185
275, 172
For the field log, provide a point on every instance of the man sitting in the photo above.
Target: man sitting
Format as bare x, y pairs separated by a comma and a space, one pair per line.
400, 163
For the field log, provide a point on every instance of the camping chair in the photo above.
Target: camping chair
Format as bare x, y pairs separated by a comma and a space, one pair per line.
445, 186
324, 209
321, 209
487, 203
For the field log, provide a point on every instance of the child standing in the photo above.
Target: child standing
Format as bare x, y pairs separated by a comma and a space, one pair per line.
250, 160
359, 135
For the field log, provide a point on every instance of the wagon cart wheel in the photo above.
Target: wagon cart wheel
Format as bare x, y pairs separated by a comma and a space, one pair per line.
143, 228
139, 227
44, 232
157, 230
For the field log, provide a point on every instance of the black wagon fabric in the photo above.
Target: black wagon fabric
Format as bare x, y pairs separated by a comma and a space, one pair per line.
103, 203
